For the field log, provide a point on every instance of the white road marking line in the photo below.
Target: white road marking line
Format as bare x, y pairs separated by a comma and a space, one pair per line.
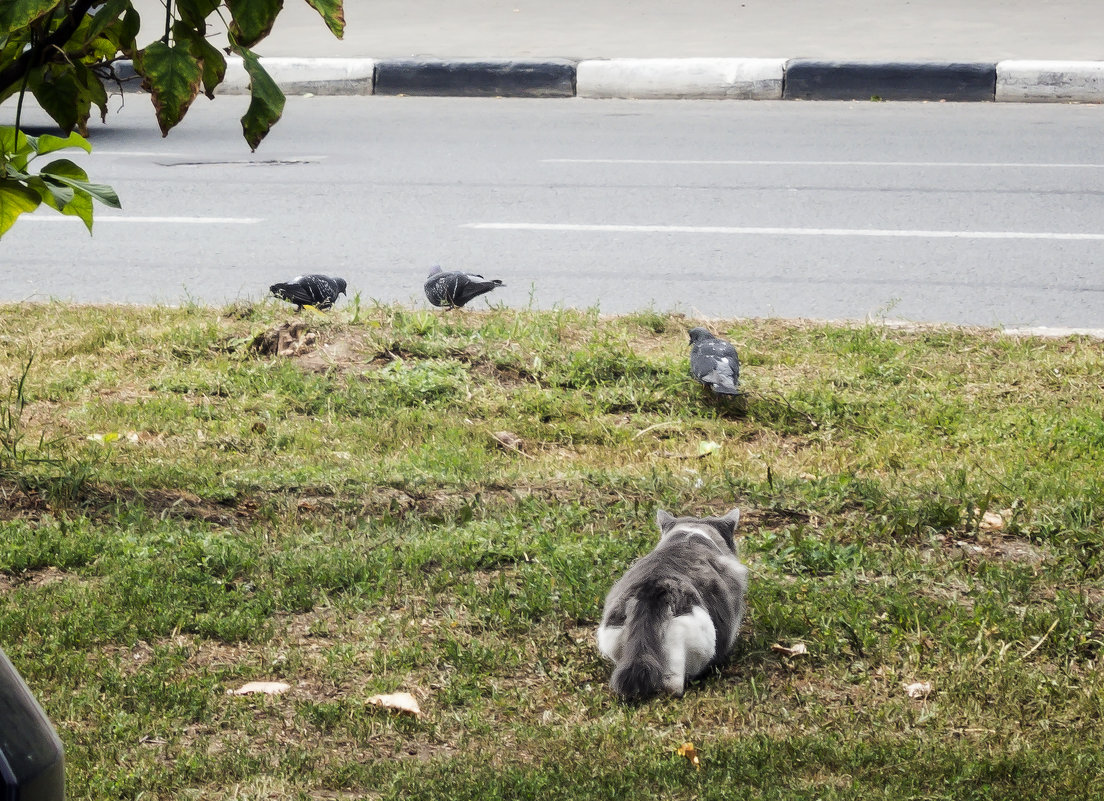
772, 163
161, 154
722, 229
98, 219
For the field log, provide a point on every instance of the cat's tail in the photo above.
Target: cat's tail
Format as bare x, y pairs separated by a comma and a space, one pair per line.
639, 672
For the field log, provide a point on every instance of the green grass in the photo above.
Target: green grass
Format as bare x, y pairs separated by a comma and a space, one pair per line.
181, 514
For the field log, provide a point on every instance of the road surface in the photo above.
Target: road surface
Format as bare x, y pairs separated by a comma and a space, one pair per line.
989, 214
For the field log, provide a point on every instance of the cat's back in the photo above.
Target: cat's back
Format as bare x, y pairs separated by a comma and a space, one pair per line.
691, 559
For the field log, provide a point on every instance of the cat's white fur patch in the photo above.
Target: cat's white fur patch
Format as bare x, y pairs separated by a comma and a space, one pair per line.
688, 643
700, 531
609, 641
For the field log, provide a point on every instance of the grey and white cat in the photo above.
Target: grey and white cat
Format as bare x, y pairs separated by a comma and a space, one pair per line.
677, 611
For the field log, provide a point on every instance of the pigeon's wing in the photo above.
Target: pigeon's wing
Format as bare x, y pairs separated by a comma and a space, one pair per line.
322, 289
714, 362
437, 288
470, 286
701, 364
723, 379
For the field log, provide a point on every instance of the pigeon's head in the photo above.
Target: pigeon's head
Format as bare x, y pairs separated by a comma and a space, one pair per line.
436, 268
340, 285
698, 334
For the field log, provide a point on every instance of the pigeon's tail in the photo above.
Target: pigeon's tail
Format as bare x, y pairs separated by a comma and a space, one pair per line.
282, 291
720, 383
473, 289
725, 387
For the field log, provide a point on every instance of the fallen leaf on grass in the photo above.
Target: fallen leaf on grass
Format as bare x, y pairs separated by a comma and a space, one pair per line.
708, 447
261, 688
918, 689
114, 436
691, 753
991, 521
797, 649
397, 702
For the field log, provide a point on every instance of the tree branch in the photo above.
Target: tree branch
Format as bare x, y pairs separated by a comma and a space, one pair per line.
15, 71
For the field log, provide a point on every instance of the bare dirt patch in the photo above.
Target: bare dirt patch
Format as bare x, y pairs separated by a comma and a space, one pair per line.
286, 339
19, 504
38, 577
998, 548
174, 503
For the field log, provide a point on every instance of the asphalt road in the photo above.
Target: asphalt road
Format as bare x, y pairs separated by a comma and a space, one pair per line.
968, 213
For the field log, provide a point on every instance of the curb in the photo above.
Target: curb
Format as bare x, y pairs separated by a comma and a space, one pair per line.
1050, 81
809, 79
1013, 81
653, 78
476, 78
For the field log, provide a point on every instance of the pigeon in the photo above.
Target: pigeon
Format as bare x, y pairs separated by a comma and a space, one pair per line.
454, 289
316, 290
714, 362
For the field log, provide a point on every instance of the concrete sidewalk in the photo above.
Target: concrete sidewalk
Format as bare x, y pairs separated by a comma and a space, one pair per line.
840, 47
852, 30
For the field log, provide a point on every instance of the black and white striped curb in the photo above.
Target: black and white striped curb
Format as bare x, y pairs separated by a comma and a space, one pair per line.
656, 78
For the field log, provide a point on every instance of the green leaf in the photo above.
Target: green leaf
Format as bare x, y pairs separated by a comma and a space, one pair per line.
267, 101
56, 90
92, 91
47, 143
195, 12
104, 17
66, 91
126, 31
16, 14
707, 447
252, 19
333, 13
65, 169
210, 57
79, 204
15, 199
172, 76
55, 195
15, 145
102, 49
66, 172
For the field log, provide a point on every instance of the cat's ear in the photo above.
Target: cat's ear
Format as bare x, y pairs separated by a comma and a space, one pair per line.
727, 529
664, 520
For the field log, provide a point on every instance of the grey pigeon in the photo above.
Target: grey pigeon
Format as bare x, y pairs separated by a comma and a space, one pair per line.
316, 290
714, 362
454, 289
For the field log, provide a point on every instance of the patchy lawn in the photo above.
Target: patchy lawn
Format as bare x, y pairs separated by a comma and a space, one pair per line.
381, 500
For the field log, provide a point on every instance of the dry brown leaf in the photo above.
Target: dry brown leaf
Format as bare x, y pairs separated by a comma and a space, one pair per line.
691, 753
797, 649
918, 689
991, 521
261, 688
397, 702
